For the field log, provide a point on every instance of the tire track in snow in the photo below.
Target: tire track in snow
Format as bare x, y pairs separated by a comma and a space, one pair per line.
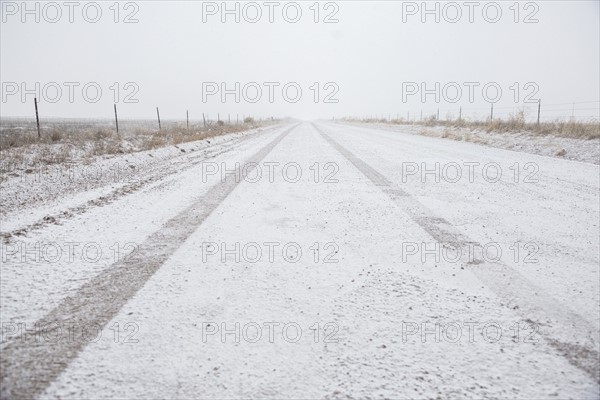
28, 365
566, 331
154, 174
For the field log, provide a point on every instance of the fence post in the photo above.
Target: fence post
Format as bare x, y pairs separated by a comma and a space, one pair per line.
492, 113
437, 118
37, 117
187, 119
158, 115
229, 119
203, 120
459, 114
116, 119
539, 106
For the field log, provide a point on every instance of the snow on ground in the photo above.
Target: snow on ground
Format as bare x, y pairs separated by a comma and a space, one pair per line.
42, 189
546, 145
310, 280
106, 227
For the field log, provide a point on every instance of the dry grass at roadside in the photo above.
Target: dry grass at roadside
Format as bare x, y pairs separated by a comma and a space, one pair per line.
21, 148
514, 124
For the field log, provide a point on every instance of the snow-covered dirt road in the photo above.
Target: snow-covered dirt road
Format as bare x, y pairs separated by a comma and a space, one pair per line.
306, 260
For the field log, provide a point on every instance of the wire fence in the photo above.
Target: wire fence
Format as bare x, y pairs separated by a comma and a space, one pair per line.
40, 124
579, 111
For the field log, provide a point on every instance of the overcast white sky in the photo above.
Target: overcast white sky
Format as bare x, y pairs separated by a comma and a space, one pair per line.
367, 54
